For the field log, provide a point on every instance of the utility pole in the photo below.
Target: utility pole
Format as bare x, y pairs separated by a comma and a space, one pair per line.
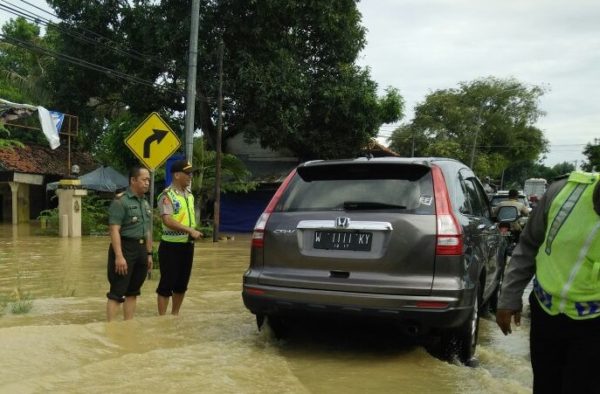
217, 206
477, 130
190, 98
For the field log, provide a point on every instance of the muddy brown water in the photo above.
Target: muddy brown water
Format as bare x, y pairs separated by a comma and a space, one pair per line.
63, 344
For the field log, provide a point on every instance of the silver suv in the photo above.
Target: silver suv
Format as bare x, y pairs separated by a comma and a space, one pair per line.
407, 238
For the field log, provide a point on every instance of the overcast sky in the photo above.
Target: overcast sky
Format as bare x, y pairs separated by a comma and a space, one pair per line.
419, 46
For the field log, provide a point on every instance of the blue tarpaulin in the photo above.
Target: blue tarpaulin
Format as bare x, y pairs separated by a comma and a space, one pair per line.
240, 211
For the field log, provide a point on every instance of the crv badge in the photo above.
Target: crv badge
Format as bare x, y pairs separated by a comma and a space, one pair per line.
342, 222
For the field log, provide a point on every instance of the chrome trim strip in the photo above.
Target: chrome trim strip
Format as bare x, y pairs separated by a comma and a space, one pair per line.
354, 225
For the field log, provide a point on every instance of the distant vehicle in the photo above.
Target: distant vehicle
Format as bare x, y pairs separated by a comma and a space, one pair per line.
502, 195
408, 239
535, 187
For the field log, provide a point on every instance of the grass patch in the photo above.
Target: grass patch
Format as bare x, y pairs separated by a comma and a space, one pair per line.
18, 304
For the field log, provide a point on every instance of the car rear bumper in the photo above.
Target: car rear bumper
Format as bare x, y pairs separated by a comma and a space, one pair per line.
424, 312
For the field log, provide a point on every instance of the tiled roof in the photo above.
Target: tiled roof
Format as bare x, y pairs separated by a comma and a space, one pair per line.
379, 150
37, 159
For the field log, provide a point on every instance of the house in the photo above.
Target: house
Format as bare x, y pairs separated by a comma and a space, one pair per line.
24, 173
240, 211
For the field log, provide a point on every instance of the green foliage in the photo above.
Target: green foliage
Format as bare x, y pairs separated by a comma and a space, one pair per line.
8, 143
516, 173
499, 113
22, 72
234, 175
290, 78
21, 306
18, 302
110, 147
592, 153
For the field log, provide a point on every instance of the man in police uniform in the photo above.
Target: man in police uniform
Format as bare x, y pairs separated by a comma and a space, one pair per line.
561, 246
130, 251
176, 249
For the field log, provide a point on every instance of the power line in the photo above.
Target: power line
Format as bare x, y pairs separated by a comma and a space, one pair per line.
89, 65
39, 8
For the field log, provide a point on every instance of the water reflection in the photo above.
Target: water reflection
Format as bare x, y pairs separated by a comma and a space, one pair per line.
64, 345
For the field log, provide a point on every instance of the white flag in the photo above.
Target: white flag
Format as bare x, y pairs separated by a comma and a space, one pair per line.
49, 127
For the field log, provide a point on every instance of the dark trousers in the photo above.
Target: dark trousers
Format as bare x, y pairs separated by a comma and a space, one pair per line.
175, 261
565, 353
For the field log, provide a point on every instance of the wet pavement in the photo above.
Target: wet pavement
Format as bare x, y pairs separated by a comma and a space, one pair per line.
62, 344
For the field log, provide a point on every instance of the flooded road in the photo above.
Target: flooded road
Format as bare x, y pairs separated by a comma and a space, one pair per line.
62, 344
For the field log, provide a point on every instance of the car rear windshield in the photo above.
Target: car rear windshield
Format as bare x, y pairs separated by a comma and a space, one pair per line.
403, 188
498, 199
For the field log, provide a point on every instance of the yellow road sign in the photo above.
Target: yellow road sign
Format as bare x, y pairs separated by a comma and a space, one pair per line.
153, 141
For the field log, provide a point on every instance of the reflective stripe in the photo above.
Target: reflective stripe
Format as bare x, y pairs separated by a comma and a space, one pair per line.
169, 232
563, 214
587, 308
544, 297
580, 259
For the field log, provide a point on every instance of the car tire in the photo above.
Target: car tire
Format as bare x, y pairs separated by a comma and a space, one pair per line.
278, 325
461, 343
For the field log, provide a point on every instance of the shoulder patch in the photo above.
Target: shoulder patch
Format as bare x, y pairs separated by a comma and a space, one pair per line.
119, 195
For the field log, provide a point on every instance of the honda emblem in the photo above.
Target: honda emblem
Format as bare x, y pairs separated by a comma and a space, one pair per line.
342, 222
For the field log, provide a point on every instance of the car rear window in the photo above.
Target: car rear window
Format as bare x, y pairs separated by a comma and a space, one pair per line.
498, 199
365, 187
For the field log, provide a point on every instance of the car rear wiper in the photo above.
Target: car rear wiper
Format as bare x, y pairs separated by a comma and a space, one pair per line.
350, 205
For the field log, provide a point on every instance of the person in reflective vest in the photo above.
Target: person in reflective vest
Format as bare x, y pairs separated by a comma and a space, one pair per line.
176, 249
560, 249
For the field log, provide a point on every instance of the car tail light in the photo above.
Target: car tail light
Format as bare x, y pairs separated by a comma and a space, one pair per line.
449, 239
259, 229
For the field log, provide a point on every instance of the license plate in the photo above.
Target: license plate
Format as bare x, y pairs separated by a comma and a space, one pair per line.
337, 240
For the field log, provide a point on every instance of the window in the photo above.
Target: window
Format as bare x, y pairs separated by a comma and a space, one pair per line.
473, 197
372, 187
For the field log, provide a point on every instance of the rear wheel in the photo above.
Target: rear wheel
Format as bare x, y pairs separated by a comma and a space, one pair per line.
278, 325
462, 342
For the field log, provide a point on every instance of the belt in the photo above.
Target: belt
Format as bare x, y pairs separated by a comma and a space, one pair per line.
140, 241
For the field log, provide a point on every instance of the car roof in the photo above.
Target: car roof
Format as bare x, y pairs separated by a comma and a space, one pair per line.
387, 160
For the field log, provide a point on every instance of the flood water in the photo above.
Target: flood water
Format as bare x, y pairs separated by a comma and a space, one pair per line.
62, 344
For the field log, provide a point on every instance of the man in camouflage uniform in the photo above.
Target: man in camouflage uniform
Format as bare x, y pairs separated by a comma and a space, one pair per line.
130, 251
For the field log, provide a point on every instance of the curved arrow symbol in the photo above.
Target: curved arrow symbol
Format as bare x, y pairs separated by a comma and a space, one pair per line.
158, 135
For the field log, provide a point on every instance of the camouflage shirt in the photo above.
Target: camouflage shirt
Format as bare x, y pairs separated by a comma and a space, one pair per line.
132, 213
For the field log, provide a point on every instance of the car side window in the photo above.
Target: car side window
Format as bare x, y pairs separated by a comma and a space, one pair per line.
461, 197
483, 198
473, 197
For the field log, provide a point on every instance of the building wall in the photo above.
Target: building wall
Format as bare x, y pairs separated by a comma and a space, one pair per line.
5, 202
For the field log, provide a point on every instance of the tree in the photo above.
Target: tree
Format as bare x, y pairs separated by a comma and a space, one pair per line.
518, 172
21, 77
235, 177
496, 116
21, 71
592, 152
290, 78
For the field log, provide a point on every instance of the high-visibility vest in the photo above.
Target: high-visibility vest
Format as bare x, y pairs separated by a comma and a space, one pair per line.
183, 212
568, 262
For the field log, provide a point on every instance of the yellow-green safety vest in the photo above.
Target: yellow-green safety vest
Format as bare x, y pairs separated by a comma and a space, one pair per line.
183, 212
568, 262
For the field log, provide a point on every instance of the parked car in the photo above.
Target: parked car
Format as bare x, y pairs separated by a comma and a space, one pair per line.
406, 238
